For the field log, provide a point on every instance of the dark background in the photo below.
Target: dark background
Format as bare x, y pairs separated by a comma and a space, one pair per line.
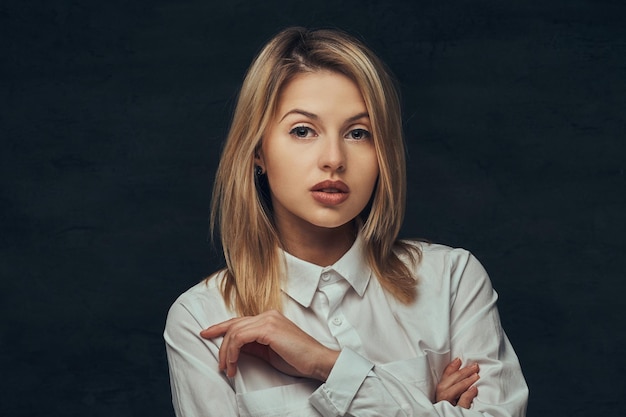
112, 115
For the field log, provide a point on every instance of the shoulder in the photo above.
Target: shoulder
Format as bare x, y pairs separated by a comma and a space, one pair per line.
435, 254
203, 303
437, 261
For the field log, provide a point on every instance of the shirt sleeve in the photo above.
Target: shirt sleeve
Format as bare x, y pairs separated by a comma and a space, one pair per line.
198, 388
356, 387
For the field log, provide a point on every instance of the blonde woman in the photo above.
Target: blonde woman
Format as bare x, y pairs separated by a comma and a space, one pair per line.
321, 310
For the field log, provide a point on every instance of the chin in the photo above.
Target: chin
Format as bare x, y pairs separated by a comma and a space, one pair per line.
332, 224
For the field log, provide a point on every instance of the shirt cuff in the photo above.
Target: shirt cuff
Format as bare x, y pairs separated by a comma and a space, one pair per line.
335, 396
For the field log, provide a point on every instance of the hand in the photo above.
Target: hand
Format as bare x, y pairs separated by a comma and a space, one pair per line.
275, 339
456, 384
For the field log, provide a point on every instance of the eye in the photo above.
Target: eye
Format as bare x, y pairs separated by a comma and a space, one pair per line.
359, 134
302, 132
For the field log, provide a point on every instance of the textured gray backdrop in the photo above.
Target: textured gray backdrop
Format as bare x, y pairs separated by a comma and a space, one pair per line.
112, 115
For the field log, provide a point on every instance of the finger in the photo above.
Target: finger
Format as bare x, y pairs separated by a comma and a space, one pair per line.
460, 387
465, 401
239, 334
222, 329
452, 367
228, 359
218, 329
449, 380
453, 392
231, 364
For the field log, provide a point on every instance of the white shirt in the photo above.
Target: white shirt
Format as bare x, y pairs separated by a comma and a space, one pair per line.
392, 355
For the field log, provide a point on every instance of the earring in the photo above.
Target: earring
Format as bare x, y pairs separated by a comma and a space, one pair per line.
258, 171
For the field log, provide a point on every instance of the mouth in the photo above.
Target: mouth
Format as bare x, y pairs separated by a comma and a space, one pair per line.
329, 186
330, 193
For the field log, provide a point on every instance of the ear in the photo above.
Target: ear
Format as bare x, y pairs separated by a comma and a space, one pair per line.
259, 160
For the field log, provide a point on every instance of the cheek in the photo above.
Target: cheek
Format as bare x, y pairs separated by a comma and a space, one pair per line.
371, 170
373, 176
277, 154
284, 174
281, 166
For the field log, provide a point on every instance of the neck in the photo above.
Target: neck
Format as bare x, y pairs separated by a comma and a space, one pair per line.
321, 246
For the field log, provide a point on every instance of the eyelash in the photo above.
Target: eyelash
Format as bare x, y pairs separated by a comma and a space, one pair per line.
365, 133
293, 132
309, 131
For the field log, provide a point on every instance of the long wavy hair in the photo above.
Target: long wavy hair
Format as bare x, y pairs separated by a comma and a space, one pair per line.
241, 205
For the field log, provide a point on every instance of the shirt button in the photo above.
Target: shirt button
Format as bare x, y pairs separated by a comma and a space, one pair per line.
337, 321
325, 276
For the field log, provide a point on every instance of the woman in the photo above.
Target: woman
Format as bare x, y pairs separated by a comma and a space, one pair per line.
321, 310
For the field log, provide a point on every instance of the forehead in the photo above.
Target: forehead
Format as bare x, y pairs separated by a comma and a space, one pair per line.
320, 90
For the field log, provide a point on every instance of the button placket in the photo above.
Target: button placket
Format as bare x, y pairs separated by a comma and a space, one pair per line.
345, 334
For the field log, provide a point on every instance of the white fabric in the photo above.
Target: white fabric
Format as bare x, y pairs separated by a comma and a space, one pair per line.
392, 355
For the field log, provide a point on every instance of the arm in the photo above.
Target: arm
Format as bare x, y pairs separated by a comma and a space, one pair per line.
357, 387
275, 339
477, 335
198, 388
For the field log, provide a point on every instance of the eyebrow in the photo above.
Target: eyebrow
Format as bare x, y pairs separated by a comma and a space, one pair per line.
316, 117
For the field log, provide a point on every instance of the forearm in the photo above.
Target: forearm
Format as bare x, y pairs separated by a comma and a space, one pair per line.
356, 387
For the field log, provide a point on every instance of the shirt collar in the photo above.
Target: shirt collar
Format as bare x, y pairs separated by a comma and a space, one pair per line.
303, 277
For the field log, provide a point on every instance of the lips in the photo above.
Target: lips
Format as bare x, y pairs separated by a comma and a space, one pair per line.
329, 186
330, 193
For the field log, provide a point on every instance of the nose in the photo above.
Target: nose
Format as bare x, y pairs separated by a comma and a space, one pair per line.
332, 155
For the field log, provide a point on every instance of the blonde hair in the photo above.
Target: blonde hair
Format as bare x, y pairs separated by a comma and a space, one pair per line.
241, 204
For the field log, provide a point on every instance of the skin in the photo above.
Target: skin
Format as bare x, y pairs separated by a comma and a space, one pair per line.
457, 384
321, 131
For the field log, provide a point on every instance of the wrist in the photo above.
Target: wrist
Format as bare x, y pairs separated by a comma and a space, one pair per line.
325, 365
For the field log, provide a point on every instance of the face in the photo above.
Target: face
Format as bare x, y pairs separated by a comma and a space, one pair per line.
318, 154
